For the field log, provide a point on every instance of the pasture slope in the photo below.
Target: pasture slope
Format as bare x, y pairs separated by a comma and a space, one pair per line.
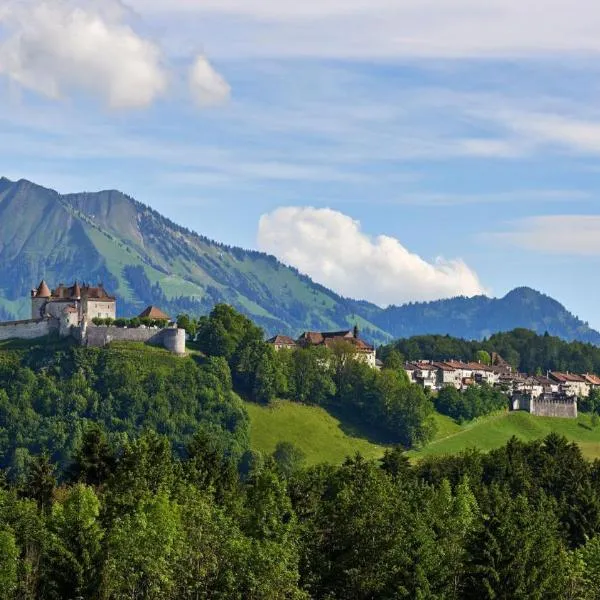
324, 438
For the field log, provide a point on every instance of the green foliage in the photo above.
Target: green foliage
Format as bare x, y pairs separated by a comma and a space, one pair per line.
523, 349
288, 458
474, 402
80, 402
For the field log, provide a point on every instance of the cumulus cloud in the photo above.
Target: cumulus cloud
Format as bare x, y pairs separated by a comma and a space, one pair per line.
59, 46
577, 235
331, 248
208, 88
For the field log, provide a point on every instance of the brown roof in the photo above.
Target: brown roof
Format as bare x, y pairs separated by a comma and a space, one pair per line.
359, 345
477, 366
443, 366
458, 364
311, 337
70, 309
591, 378
281, 340
77, 291
43, 290
566, 377
152, 312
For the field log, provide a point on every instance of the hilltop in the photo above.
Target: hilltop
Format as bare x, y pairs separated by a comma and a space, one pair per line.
145, 259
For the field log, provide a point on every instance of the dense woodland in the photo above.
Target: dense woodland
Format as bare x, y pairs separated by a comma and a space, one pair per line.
126, 473
523, 349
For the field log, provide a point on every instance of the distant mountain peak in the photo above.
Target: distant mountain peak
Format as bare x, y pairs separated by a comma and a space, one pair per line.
144, 258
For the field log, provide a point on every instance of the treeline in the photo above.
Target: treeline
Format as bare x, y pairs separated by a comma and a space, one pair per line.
132, 522
334, 377
523, 349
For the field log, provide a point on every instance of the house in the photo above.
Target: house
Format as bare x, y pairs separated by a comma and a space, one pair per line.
592, 380
447, 375
548, 385
426, 374
364, 351
571, 384
152, 312
282, 342
484, 374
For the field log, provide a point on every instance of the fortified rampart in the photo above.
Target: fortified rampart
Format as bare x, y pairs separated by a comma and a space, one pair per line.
26, 330
546, 406
171, 338
552, 407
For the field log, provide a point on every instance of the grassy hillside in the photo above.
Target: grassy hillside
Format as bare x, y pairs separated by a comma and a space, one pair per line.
323, 438
320, 436
494, 431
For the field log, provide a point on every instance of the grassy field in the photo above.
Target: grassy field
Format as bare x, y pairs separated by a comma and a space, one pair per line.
494, 431
320, 436
323, 438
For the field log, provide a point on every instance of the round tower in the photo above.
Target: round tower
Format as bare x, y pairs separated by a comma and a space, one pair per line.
39, 298
174, 340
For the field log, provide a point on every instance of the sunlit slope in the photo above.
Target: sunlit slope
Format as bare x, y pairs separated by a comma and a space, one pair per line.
494, 431
312, 429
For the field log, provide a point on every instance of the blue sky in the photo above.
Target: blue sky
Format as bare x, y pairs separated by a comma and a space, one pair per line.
454, 130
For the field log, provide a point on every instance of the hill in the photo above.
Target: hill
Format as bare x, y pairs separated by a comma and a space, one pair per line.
322, 437
494, 431
145, 258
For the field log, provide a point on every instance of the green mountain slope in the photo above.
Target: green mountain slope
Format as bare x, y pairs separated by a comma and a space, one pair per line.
144, 258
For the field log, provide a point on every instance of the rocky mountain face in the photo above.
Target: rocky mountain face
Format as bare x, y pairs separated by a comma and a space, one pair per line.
145, 258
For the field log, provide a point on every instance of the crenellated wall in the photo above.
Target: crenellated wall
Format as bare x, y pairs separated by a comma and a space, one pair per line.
25, 330
170, 338
554, 408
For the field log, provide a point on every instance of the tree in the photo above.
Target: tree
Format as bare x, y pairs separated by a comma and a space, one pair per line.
41, 481
190, 325
483, 357
288, 458
95, 459
393, 360
9, 559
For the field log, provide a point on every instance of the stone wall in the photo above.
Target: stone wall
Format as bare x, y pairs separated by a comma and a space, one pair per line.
26, 330
172, 339
554, 408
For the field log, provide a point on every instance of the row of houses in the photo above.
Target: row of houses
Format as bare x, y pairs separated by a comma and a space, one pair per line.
435, 375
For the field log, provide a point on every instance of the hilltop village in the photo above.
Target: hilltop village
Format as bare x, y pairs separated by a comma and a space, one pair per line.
88, 314
554, 394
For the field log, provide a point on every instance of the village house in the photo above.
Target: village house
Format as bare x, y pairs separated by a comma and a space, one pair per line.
364, 351
571, 384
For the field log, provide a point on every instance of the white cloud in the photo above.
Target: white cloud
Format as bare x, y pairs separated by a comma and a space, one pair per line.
392, 28
61, 46
331, 248
577, 235
208, 88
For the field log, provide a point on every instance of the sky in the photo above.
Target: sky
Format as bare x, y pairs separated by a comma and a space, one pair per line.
394, 150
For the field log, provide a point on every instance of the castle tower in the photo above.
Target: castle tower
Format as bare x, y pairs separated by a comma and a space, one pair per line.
39, 298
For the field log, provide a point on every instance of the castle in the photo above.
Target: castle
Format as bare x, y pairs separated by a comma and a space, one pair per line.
72, 312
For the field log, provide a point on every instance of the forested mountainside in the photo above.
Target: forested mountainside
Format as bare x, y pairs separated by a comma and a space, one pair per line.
145, 258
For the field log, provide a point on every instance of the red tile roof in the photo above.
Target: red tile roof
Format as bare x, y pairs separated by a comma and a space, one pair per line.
152, 312
43, 290
592, 379
282, 340
566, 377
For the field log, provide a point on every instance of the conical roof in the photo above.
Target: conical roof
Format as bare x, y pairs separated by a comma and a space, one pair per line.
43, 290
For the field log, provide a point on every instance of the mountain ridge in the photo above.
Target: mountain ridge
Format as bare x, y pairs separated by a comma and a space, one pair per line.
145, 258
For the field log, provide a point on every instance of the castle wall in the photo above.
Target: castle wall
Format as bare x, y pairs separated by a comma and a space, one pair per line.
25, 330
172, 339
554, 408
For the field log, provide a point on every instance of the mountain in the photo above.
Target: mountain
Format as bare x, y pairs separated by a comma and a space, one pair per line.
145, 258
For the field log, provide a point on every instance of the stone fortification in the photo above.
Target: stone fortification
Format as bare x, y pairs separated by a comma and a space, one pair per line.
549, 406
171, 338
70, 312
26, 330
